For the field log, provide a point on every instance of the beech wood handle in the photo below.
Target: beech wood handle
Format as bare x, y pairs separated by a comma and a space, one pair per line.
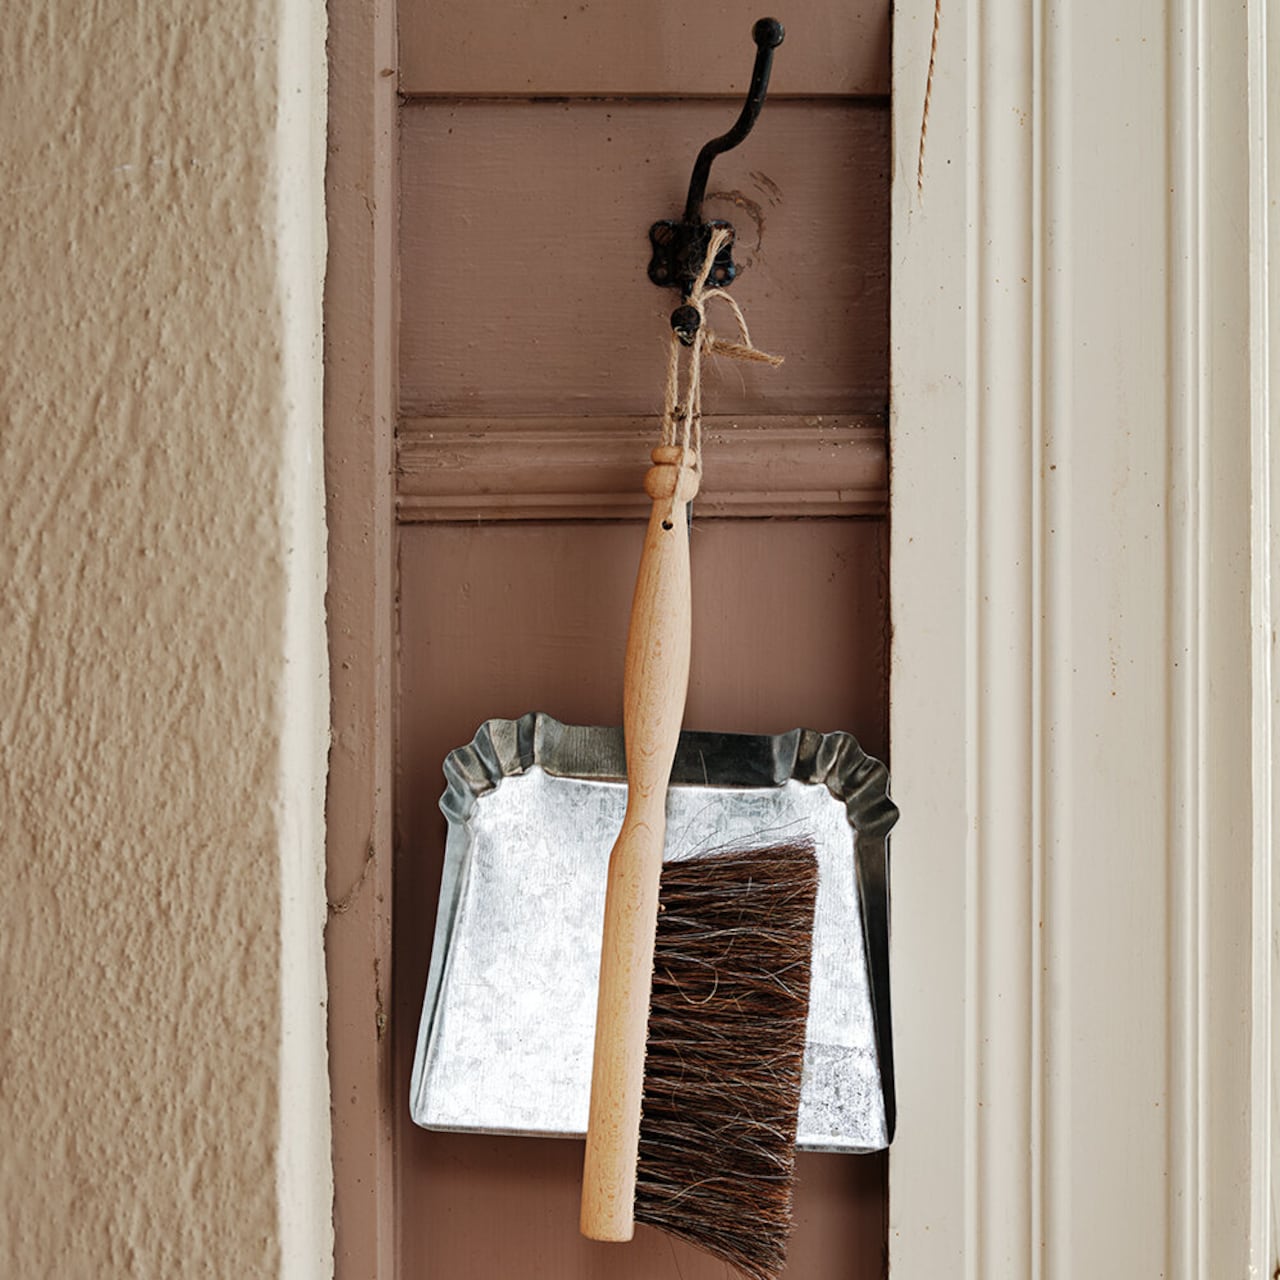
655, 682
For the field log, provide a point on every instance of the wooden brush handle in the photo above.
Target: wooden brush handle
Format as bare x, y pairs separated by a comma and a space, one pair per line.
655, 682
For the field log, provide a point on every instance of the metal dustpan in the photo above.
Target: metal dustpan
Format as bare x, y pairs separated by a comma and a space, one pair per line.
505, 1041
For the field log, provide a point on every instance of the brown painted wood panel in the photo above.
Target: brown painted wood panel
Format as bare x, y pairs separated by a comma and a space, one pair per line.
473, 48
474, 1208
790, 628
524, 246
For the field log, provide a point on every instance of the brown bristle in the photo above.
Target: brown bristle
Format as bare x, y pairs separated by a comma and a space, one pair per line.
725, 1052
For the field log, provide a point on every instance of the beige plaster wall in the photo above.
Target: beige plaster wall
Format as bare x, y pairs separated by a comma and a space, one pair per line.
163, 704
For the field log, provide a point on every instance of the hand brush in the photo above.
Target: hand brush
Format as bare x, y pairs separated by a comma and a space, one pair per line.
725, 1052
724, 1007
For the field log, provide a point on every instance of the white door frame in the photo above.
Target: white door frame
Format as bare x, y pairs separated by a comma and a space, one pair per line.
1084, 674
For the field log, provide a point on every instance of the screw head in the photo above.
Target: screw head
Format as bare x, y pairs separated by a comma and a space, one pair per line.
686, 321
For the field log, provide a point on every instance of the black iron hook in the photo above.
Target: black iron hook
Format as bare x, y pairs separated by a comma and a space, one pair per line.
679, 248
768, 34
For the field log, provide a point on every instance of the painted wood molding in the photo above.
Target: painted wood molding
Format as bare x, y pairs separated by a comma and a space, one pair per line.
360, 328
1083, 880
453, 469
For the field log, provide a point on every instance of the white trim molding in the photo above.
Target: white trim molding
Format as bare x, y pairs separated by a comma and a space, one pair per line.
1084, 668
1264, 371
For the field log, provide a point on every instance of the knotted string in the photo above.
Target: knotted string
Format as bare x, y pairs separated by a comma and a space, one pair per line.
682, 415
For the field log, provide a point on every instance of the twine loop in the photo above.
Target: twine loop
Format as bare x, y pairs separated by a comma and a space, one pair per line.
682, 414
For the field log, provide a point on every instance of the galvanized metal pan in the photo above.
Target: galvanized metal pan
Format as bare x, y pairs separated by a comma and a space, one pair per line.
505, 1041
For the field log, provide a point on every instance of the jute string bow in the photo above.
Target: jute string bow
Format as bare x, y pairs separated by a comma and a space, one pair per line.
682, 415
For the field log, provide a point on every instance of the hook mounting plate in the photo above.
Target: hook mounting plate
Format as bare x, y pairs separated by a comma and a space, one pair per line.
678, 252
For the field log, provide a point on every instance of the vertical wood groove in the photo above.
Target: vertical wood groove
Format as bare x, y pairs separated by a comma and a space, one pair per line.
1264, 222
1186, 1228
1007, 749
1055, 478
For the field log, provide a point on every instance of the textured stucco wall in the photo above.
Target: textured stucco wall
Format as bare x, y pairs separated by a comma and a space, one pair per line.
163, 1105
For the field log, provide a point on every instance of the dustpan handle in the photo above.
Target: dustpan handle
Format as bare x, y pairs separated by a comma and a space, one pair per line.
655, 683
